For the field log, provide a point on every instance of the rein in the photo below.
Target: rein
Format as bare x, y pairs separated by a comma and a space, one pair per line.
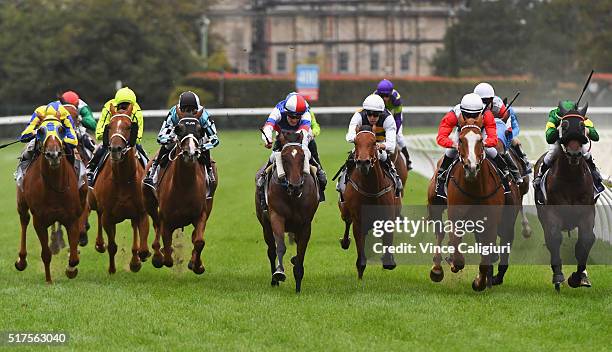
474, 196
361, 191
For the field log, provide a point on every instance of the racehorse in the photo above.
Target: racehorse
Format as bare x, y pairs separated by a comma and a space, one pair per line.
513, 206
57, 240
570, 199
292, 202
369, 186
50, 192
117, 195
181, 195
475, 183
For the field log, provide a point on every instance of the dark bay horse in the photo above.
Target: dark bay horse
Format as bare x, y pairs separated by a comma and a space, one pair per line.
570, 200
181, 195
292, 204
367, 185
117, 195
51, 194
513, 206
475, 192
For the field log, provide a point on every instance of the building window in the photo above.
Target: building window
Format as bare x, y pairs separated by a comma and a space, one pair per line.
405, 61
343, 61
374, 61
312, 57
281, 61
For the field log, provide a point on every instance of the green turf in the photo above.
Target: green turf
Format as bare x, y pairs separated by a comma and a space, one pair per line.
233, 307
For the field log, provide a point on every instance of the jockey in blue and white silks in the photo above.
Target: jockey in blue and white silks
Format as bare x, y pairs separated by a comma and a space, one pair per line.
292, 114
188, 102
508, 130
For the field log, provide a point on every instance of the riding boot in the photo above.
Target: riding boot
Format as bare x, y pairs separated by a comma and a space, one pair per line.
537, 180
322, 177
501, 164
408, 162
528, 167
212, 181
24, 161
159, 161
597, 179
93, 166
260, 183
396, 179
514, 170
446, 163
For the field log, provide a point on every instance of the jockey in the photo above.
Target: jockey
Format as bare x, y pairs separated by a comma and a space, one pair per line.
123, 99
471, 106
293, 114
393, 103
487, 94
508, 130
79, 109
552, 138
383, 125
189, 102
29, 134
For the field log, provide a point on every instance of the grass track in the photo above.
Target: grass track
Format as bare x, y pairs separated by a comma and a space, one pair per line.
233, 307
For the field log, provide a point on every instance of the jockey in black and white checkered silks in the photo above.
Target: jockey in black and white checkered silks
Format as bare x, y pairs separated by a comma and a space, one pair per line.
189, 102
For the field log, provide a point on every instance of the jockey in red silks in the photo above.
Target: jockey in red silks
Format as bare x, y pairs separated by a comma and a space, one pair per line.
471, 107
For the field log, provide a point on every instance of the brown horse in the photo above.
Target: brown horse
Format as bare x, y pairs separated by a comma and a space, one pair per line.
117, 195
570, 200
293, 202
51, 193
181, 192
513, 206
369, 186
57, 240
476, 182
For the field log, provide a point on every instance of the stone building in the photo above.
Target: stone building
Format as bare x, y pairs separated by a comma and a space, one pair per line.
353, 37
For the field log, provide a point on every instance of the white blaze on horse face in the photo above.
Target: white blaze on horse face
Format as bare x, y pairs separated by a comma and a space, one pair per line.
192, 146
472, 138
294, 153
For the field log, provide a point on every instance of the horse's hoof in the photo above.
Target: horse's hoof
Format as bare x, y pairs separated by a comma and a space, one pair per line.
436, 276
144, 255
527, 233
558, 286
21, 264
345, 243
157, 261
274, 283
279, 276
83, 240
112, 270
100, 248
169, 263
477, 288
72, 272
294, 260
456, 268
199, 270
497, 280
135, 267
190, 265
389, 266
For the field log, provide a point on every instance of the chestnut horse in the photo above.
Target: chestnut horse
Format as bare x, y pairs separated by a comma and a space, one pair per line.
570, 200
117, 195
292, 204
181, 191
476, 182
51, 193
369, 186
57, 240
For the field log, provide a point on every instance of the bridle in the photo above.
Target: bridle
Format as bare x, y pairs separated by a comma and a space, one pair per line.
290, 188
128, 146
179, 142
371, 162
